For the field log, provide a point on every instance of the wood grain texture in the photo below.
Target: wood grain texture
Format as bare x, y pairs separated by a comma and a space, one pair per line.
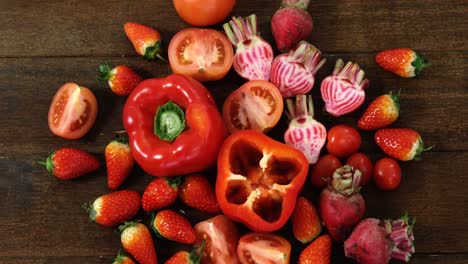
45, 44
86, 28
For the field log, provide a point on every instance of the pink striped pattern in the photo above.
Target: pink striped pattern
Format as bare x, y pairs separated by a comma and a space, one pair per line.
309, 139
253, 62
291, 79
343, 91
340, 95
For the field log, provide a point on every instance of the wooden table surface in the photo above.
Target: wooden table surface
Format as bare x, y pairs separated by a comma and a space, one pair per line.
45, 44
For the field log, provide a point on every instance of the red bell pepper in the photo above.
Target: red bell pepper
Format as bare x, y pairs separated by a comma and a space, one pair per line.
259, 179
174, 126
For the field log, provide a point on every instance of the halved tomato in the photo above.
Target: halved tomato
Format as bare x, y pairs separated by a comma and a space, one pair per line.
256, 105
263, 248
204, 54
221, 238
73, 111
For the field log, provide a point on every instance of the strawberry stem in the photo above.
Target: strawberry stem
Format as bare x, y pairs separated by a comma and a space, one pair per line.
49, 164
104, 72
126, 225
420, 63
154, 51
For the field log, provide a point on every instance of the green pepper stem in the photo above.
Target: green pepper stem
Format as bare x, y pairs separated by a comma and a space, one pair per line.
169, 121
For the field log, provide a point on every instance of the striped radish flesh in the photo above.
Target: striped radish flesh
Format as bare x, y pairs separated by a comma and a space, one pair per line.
294, 72
254, 55
343, 91
304, 133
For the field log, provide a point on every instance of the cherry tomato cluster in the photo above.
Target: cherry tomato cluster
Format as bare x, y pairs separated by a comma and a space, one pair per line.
344, 141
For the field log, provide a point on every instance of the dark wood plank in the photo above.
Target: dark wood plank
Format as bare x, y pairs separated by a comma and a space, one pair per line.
47, 213
30, 83
85, 28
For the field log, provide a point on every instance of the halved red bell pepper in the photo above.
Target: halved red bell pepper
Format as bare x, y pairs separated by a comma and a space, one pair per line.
259, 180
174, 126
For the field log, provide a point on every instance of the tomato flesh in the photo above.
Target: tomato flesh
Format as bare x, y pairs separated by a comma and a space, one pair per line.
322, 170
263, 248
256, 105
221, 238
72, 112
203, 54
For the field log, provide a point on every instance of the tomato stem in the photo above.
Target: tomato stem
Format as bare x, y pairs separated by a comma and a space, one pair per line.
169, 121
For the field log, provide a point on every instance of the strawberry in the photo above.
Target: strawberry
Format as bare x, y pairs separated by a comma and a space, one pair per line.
136, 239
145, 40
305, 221
173, 226
121, 79
184, 257
400, 143
160, 193
119, 162
197, 192
123, 259
381, 112
70, 163
317, 252
114, 208
401, 61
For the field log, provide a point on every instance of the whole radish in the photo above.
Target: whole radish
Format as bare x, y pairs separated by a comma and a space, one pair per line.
254, 55
343, 91
291, 24
294, 72
304, 132
374, 241
341, 206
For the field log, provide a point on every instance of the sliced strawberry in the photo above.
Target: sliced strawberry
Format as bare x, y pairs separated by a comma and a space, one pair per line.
305, 221
197, 192
70, 163
145, 40
160, 193
121, 79
173, 226
114, 208
400, 143
381, 112
402, 61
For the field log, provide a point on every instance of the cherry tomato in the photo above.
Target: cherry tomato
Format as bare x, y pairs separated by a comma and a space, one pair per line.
256, 105
203, 12
387, 174
221, 240
204, 54
362, 163
72, 112
323, 170
343, 140
263, 248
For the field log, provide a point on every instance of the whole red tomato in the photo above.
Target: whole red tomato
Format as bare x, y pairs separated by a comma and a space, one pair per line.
387, 174
343, 140
203, 12
73, 111
323, 170
363, 164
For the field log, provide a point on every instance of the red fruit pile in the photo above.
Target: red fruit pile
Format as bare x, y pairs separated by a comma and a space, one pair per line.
259, 181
